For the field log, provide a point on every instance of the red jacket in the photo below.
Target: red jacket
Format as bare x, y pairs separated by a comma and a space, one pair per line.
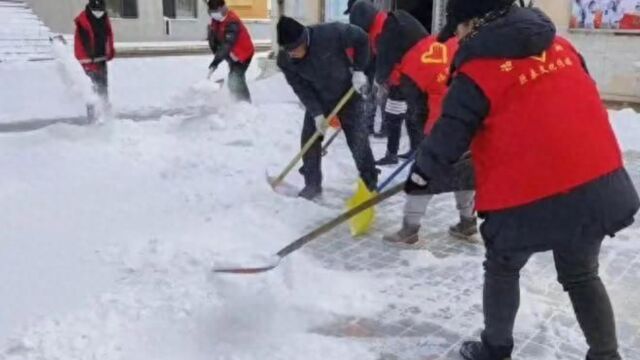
83, 53
375, 30
427, 65
547, 131
243, 50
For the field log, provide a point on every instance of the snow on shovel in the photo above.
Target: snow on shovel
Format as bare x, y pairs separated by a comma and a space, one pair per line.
277, 181
316, 233
361, 223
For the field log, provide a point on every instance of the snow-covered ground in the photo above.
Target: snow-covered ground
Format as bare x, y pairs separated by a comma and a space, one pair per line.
109, 231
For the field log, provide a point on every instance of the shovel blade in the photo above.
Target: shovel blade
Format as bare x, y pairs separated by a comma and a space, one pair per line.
246, 270
360, 224
282, 188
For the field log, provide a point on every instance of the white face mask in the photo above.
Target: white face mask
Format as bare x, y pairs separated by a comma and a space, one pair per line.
217, 16
97, 13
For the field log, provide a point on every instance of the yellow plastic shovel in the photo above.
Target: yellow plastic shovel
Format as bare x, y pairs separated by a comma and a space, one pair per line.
361, 223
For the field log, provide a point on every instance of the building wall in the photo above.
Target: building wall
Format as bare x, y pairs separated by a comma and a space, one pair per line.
250, 9
150, 24
613, 59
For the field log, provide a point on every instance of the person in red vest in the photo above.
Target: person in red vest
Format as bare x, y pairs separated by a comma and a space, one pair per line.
230, 41
548, 167
364, 14
93, 47
405, 46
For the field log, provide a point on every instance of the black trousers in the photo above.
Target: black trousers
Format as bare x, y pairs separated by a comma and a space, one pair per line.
100, 80
238, 81
355, 130
577, 268
393, 119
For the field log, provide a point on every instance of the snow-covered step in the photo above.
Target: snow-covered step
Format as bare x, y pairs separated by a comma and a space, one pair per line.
23, 36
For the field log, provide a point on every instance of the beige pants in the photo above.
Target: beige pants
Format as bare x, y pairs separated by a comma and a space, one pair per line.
416, 206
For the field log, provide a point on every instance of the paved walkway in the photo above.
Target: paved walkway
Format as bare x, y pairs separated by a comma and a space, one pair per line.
437, 291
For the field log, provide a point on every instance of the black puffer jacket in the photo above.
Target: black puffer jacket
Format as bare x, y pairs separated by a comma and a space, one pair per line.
363, 14
601, 207
324, 75
400, 33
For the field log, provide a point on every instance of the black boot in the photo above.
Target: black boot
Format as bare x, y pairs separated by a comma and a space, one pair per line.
380, 134
406, 155
475, 350
310, 192
388, 159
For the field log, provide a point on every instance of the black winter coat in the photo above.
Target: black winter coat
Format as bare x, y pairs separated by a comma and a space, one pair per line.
400, 34
363, 14
324, 75
591, 211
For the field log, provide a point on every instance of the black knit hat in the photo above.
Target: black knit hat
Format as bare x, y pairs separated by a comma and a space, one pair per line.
349, 6
460, 11
96, 5
291, 33
215, 4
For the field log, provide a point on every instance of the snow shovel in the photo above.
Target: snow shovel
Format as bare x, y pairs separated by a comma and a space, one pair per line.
361, 223
275, 182
316, 233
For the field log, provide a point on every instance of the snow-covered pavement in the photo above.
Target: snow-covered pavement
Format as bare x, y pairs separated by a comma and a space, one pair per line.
109, 233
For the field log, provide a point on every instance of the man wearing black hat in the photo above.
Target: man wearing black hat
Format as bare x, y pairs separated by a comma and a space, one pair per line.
93, 47
315, 63
549, 171
364, 14
230, 41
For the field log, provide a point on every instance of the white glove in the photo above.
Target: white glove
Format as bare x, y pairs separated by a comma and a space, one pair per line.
321, 124
360, 82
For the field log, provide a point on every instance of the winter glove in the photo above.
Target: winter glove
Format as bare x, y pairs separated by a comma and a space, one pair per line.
321, 124
417, 181
360, 82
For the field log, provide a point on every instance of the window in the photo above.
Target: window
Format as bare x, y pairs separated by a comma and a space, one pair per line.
127, 9
180, 9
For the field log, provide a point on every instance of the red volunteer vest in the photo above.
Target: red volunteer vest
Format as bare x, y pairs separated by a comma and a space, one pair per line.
427, 64
547, 131
243, 50
376, 30
82, 54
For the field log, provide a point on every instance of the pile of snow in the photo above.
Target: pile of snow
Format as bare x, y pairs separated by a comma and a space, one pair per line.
58, 89
114, 228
